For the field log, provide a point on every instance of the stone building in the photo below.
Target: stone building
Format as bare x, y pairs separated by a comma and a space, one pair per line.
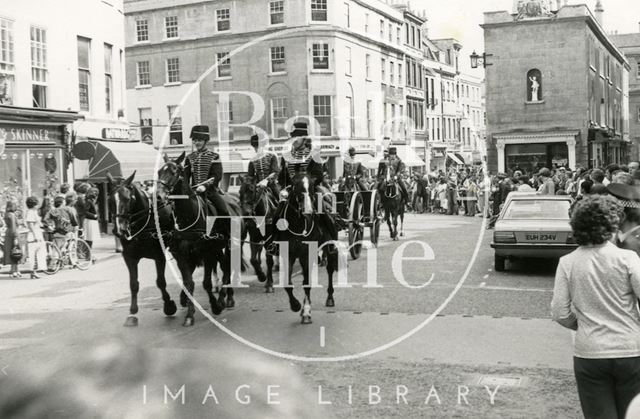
556, 89
629, 44
245, 66
61, 82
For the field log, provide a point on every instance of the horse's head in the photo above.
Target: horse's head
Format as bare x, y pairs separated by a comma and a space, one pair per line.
169, 176
125, 198
301, 194
390, 186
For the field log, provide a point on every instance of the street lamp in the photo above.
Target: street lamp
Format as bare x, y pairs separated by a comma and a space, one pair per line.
482, 60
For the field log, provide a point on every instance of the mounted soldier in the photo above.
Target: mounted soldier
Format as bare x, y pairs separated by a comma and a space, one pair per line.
302, 159
263, 168
392, 166
354, 169
203, 169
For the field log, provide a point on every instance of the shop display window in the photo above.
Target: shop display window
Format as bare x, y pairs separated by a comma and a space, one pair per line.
35, 171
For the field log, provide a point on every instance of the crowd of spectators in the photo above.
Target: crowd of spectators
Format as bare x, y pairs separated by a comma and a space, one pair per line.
67, 214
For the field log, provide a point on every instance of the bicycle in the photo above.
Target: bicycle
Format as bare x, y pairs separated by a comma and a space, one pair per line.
75, 253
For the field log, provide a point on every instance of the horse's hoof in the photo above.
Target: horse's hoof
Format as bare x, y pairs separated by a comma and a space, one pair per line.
295, 305
132, 321
170, 308
221, 301
231, 303
188, 322
330, 302
306, 320
216, 310
401, 234
262, 277
268, 289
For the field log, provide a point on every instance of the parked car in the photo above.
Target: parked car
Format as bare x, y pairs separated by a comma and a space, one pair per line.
532, 225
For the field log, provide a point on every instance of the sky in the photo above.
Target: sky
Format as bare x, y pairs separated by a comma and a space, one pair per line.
460, 19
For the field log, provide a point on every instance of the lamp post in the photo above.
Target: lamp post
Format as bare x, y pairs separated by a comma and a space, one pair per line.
477, 60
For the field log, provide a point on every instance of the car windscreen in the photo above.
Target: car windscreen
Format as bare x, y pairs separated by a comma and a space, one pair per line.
537, 209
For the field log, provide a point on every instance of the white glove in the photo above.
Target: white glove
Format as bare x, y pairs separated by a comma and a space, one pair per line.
201, 189
263, 183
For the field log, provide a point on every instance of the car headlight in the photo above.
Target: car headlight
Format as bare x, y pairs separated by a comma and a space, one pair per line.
504, 237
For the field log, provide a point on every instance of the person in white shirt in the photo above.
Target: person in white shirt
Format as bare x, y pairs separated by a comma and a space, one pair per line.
596, 294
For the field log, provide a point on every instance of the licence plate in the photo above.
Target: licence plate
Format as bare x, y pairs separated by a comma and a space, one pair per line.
540, 237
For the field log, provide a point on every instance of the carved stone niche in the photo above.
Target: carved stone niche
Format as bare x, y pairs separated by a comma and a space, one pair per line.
528, 9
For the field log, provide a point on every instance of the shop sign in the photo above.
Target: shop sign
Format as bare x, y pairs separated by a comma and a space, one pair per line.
116, 134
16, 134
437, 153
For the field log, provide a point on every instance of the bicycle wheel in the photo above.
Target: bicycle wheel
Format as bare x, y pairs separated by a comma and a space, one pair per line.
54, 259
82, 253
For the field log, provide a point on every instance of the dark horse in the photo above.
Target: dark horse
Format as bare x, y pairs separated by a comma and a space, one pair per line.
300, 223
191, 243
393, 203
135, 225
259, 201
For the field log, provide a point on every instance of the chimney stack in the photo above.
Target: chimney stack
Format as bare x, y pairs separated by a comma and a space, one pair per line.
599, 13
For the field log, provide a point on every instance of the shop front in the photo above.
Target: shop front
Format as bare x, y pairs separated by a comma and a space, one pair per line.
33, 153
605, 149
529, 153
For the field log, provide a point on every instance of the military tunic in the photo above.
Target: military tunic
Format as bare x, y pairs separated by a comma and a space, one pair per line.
302, 162
355, 170
262, 166
203, 165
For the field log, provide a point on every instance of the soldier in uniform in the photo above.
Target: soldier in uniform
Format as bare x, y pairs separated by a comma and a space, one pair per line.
301, 158
204, 165
354, 168
263, 168
393, 165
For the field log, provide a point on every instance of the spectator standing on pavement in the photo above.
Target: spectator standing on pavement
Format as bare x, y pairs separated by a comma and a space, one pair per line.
596, 294
523, 184
35, 238
547, 187
11, 237
91, 225
61, 222
81, 190
628, 235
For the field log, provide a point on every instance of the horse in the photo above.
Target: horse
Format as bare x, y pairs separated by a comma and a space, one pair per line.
135, 226
299, 223
393, 203
191, 243
257, 200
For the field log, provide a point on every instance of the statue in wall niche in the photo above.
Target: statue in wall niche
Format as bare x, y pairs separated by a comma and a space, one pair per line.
534, 85
534, 88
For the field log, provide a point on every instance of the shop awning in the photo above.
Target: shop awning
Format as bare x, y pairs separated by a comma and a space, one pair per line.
120, 159
455, 158
409, 157
368, 161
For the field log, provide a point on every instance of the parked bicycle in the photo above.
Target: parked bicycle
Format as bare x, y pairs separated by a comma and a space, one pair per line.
75, 253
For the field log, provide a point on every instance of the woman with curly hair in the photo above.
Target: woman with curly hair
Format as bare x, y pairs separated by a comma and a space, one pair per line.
596, 293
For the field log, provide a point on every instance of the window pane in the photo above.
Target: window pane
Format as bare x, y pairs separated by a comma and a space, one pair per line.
276, 11
320, 56
224, 20
277, 59
83, 87
171, 25
142, 30
319, 10
7, 85
83, 52
322, 113
224, 66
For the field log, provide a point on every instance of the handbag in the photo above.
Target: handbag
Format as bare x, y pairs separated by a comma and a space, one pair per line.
16, 253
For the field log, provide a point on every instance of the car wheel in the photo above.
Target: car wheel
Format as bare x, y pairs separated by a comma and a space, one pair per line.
499, 262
